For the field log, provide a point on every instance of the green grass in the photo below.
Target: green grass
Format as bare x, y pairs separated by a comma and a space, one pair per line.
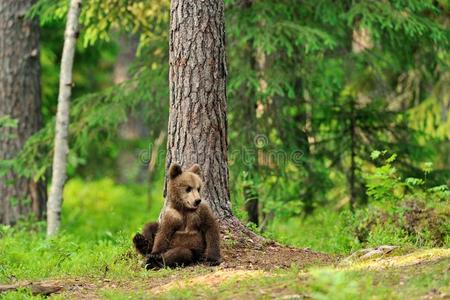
325, 230
98, 210
100, 218
331, 231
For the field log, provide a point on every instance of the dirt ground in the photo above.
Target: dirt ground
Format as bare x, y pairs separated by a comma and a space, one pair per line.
271, 255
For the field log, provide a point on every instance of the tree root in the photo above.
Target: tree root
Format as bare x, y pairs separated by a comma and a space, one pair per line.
232, 229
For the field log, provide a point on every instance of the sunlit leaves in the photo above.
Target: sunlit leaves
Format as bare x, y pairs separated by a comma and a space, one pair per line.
100, 17
400, 17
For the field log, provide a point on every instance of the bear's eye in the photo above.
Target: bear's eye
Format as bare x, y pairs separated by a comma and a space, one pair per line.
188, 189
198, 190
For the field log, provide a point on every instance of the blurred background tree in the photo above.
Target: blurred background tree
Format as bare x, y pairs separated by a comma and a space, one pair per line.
20, 109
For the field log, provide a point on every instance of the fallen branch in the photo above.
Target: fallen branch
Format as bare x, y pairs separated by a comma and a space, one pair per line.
36, 288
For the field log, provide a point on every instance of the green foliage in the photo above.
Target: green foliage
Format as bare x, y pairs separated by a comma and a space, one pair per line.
404, 211
94, 118
329, 284
112, 209
295, 61
381, 185
101, 18
334, 235
385, 185
98, 108
410, 19
25, 294
401, 212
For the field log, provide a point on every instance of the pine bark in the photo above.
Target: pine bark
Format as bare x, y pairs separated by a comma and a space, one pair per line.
20, 99
197, 131
62, 119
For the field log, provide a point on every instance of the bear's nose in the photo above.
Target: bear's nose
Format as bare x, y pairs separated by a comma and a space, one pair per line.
197, 202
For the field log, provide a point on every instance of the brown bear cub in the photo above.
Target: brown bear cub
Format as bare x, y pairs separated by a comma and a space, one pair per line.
188, 231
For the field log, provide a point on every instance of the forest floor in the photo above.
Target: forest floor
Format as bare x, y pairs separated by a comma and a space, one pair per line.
93, 258
275, 271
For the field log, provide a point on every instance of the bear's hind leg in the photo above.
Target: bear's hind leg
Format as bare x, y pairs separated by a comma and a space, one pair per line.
177, 257
149, 231
144, 242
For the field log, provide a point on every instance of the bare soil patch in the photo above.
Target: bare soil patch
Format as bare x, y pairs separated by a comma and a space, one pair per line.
270, 255
242, 248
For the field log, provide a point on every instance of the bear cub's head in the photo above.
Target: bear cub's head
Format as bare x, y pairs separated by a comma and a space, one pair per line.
184, 187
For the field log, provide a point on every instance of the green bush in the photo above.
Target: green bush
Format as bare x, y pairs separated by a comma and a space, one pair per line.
400, 211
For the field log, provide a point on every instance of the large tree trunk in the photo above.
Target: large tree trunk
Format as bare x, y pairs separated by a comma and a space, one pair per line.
197, 131
62, 119
20, 99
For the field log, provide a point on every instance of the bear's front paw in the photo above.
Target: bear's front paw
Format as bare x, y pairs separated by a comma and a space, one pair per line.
139, 240
141, 244
154, 261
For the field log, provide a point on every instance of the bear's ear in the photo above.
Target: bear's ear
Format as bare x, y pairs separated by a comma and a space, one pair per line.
195, 169
174, 171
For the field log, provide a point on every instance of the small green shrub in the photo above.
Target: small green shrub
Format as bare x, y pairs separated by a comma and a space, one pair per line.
402, 210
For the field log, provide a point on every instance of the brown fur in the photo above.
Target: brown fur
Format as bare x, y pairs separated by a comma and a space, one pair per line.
188, 231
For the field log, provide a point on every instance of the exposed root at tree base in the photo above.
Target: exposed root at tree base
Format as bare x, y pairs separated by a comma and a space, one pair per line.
242, 248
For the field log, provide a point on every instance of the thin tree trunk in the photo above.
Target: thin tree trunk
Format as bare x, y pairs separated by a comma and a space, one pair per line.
302, 142
134, 128
152, 164
20, 99
128, 45
62, 119
361, 41
352, 174
251, 202
248, 125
